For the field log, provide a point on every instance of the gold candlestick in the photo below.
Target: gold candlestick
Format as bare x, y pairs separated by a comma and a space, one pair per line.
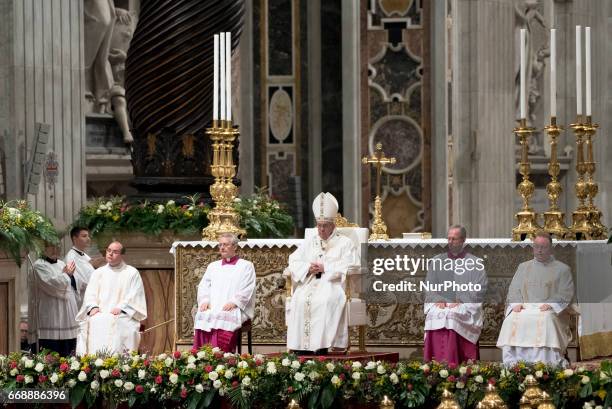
533, 394
553, 218
448, 401
581, 227
598, 230
492, 400
527, 218
378, 159
223, 218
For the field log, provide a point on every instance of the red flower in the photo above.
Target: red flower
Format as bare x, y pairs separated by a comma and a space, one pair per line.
426, 371
347, 367
159, 379
42, 379
258, 362
194, 351
409, 387
175, 370
183, 393
13, 364
115, 373
321, 359
208, 368
245, 356
190, 382
302, 359
235, 384
146, 362
290, 389
370, 376
64, 367
20, 378
341, 376
451, 378
177, 354
139, 389
231, 361
517, 369
218, 355
468, 372
545, 376
87, 369
492, 381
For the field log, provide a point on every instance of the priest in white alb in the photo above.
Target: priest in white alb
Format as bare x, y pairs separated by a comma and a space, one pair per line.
53, 303
316, 313
113, 306
454, 319
226, 298
536, 327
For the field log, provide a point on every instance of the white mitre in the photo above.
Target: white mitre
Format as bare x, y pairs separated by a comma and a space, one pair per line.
325, 207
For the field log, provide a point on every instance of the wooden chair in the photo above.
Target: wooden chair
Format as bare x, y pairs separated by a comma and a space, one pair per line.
246, 327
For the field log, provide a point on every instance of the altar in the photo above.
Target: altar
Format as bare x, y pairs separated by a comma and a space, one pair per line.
396, 323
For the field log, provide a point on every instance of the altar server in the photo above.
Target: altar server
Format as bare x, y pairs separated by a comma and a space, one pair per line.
77, 254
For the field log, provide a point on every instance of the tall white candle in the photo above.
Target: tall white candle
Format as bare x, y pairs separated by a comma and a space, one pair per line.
222, 75
553, 72
216, 78
578, 72
523, 107
587, 51
228, 73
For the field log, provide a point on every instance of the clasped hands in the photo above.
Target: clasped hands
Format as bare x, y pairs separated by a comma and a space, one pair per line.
69, 268
543, 307
95, 310
316, 268
227, 307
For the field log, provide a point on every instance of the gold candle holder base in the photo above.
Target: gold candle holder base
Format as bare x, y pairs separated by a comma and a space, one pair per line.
527, 219
386, 403
492, 400
448, 401
379, 228
223, 218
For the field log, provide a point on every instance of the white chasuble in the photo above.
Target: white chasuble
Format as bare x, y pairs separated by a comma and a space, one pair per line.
316, 316
531, 334
223, 283
112, 287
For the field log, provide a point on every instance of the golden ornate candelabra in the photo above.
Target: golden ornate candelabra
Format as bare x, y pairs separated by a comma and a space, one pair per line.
527, 218
448, 401
491, 400
554, 217
223, 218
598, 230
378, 159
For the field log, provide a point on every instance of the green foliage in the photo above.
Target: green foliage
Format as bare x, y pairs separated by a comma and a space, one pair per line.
23, 229
263, 217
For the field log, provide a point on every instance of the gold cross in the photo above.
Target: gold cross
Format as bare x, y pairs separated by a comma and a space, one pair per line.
378, 159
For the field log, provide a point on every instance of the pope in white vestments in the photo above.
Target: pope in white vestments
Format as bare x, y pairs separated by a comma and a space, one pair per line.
316, 316
226, 298
536, 327
113, 306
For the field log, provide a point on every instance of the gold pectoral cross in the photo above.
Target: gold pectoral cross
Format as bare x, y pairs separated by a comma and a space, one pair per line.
378, 159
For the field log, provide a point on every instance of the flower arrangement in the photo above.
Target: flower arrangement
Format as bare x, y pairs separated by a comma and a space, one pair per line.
260, 216
198, 378
23, 229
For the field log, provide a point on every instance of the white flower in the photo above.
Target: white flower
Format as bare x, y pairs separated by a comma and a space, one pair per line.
125, 368
299, 376
128, 386
463, 370
191, 366
475, 368
217, 384
191, 359
160, 209
82, 376
243, 364
216, 349
425, 367
74, 365
585, 379
94, 385
587, 405
98, 362
229, 374
246, 381
168, 361
39, 367
503, 373
460, 385
161, 357
201, 354
479, 379
153, 390
170, 203
539, 374
190, 208
54, 378
109, 204
29, 379
380, 369
393, 378
29, 363
199, 388
330, 367
356, 365
219, 368
259, 357
14, 372
603, 375
141, 374
237, 200
335, 380
135, 359
71, 383
118, 383
568, 372
356, 376
295, 364
213, 375
313, 375
443, 373
286, 362
173, 378
104, 374
271, 368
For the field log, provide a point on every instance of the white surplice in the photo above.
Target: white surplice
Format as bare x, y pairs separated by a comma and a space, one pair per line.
53, 303
316, 316
223, 283
112, 287
467, 318
83, 271
533, 335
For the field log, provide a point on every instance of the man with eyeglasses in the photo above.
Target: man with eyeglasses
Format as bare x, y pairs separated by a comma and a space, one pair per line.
113, 306
226, 298
536, 327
